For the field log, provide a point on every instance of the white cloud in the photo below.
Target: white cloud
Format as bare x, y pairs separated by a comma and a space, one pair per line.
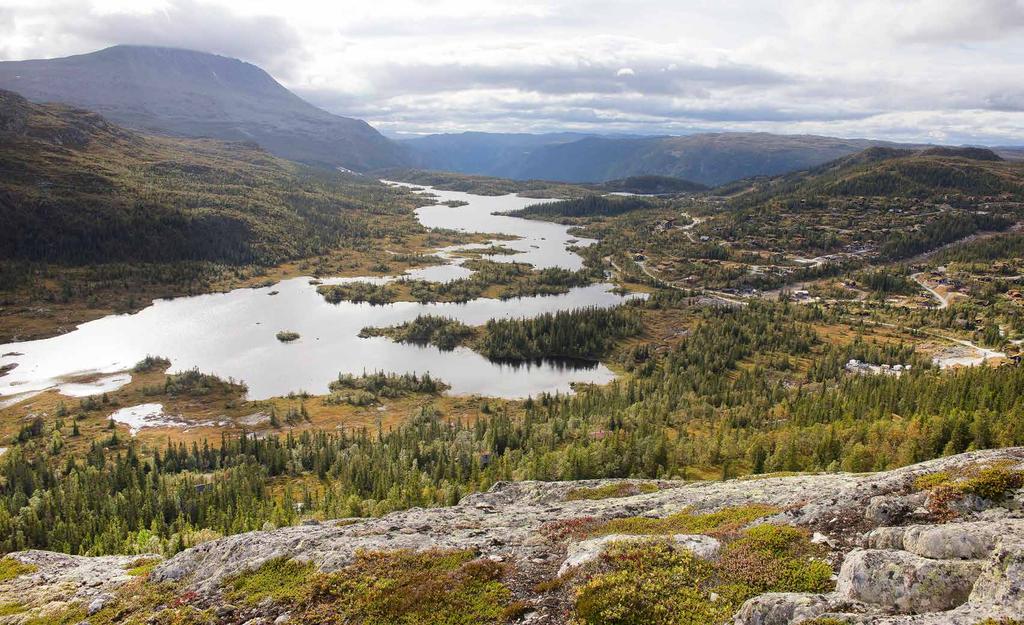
908, 69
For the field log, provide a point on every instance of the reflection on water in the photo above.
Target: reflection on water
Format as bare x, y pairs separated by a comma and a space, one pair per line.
233, 334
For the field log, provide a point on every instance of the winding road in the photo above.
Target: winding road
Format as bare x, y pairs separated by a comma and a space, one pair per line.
943, 302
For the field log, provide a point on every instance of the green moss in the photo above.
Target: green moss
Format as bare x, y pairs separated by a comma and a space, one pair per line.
770, 558
138, 602
142, 566
10, 609
651, 583
827, 620
410, 588
69, 616
1005, 621
11, 568
610, 491
280, 579
931, 480
723, 521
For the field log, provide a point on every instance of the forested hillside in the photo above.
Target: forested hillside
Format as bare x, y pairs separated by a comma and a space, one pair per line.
895, 173
75, 188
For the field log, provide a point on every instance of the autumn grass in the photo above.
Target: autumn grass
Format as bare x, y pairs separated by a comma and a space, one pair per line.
610, 491
280, 580
384, 588
142, 566
721, 522
12, 608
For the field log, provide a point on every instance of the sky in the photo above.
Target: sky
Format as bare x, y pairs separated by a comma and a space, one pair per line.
943, 71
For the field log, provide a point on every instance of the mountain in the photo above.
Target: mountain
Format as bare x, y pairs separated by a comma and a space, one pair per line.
194, 94
482, 153
75, 188
651, 185
709, 159
891, 172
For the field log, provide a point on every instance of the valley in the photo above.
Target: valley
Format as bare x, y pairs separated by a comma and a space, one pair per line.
261, 364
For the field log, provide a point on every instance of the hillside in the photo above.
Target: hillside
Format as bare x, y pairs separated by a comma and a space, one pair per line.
651, 185
75, 188
896, 173
709, 158
774, 550
194, 94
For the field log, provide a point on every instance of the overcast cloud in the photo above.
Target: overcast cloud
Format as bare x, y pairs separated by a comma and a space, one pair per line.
921, 70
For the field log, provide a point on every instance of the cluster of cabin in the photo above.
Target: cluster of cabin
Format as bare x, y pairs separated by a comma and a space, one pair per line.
863, 368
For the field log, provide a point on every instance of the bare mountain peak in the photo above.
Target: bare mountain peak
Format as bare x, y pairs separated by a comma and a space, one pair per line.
198, 94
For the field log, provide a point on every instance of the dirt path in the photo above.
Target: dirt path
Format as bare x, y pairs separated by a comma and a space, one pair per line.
688, 228
943, 301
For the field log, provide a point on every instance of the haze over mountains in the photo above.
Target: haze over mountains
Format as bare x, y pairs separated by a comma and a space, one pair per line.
195, 94
709, 158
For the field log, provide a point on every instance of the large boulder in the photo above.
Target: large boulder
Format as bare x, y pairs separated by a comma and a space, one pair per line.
904, 582
957, 541
781, 608
1002, 582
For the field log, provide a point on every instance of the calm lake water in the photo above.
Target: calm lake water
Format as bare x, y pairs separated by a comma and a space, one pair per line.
233, 334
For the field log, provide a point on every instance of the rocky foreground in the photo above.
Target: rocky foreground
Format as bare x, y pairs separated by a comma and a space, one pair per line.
940, 542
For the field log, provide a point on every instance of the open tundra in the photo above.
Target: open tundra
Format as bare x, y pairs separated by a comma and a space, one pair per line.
934, 543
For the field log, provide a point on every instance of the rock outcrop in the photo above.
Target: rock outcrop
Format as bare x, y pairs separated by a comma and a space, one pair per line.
931, 569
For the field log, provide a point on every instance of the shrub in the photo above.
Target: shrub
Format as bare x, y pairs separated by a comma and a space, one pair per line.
287, 336
410, 588
992, 482
151, 363
650, 584
282, 580
653, 583
11, 568
724, 521
770, 558
610, 491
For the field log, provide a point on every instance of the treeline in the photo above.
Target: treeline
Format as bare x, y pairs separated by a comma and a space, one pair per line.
503, 280
585, 333
1006, 246
369, 388
944, 229
726, 399
587, 206
884, 282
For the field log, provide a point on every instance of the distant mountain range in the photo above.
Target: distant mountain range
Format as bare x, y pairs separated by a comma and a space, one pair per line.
708, 158
194, 94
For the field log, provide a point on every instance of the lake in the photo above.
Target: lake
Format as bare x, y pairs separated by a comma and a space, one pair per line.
233, 334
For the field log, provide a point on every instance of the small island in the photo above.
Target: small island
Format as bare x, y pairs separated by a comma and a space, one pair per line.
287, 336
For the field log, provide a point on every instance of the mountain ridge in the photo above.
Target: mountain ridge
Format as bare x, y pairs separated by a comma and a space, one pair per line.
707, 158
76, 188
196, 94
